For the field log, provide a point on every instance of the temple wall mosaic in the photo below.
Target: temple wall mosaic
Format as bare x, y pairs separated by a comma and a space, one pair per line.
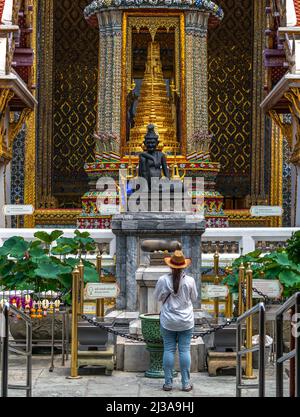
230, 95
286, 185
74, 100
196, 76
267, 159
17, 170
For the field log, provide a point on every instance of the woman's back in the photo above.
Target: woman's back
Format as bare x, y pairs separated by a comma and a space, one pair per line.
177, 309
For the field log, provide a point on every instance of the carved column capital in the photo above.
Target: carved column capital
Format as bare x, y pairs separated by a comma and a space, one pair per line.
286, 128
293, 96
196, 22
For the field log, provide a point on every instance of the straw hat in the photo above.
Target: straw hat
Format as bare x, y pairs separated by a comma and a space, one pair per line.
177, 260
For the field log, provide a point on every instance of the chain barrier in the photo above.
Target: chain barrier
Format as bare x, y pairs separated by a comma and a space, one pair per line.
267, 300
228, 322
211, 330
141, 339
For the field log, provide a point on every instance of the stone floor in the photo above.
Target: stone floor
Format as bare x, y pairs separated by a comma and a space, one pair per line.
121, 384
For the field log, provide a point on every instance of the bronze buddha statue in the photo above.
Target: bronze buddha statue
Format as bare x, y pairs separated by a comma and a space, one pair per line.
152, 163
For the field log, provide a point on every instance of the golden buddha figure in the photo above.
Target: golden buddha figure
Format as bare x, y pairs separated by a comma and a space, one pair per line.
153, 107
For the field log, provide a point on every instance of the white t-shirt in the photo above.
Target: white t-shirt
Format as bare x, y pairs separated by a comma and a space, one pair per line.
177, 312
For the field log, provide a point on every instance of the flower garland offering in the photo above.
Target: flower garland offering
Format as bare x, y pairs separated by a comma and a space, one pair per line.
33, 310
39, 310
45, 305
57, 305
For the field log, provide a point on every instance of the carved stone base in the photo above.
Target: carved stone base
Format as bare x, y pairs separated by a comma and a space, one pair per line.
104, 359
41, 328
222, 360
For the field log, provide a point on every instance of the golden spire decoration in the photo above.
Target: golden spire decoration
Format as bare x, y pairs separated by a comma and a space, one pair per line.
153, 106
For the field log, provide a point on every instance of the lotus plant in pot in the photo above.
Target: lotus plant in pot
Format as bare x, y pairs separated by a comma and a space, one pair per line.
43, 265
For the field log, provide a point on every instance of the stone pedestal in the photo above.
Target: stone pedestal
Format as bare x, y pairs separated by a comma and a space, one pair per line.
132, 228
105, 359
132, 356
222, 360
146, 278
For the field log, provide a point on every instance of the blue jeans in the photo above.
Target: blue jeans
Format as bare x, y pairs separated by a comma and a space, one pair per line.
170, 339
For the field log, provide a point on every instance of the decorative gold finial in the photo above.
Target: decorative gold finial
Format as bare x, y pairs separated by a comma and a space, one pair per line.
175, 170
153, 106
130, 167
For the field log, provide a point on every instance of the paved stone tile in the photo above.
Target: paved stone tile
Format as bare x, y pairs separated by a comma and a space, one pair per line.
112, 388
60, 391
122, 384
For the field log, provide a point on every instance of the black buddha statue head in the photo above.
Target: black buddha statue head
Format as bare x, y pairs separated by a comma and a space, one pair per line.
151, 139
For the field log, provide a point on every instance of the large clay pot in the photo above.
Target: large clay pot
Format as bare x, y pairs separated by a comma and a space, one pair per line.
41, 328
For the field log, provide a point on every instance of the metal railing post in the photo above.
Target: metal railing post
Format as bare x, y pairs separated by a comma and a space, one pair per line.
241, 306
81, 287
297, 348
229, 298
75, 307
249, 325
7, 347
262, 338
239, 359
292, 360
28, 360
4, 353
279, 353
294, 354
259, 308
229, 308
216, 282
99, 302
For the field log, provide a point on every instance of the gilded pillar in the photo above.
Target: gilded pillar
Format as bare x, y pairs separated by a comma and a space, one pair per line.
110, 51
196, 75
30, 141
293, 96
189, 83
102, 73
258, 119
108, 74
276, 170
45, 98
117, 84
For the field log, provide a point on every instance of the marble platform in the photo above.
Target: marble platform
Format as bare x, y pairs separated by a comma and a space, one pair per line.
132, 356
131, 228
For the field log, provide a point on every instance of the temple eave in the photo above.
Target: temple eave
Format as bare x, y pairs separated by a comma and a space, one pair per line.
276, 99
22, 96
215, 12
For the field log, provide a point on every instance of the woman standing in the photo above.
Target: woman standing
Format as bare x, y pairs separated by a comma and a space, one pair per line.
177, 292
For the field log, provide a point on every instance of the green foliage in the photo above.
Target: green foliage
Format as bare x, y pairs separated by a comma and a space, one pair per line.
275, 265
293, 248
48, 237
43, 264
14, 246
51, 270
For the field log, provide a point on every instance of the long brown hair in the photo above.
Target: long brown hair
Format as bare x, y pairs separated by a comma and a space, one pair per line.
176, 275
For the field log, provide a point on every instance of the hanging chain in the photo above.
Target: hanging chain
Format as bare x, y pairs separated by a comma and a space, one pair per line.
267, 300
215, 329
141, 339
243, 293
